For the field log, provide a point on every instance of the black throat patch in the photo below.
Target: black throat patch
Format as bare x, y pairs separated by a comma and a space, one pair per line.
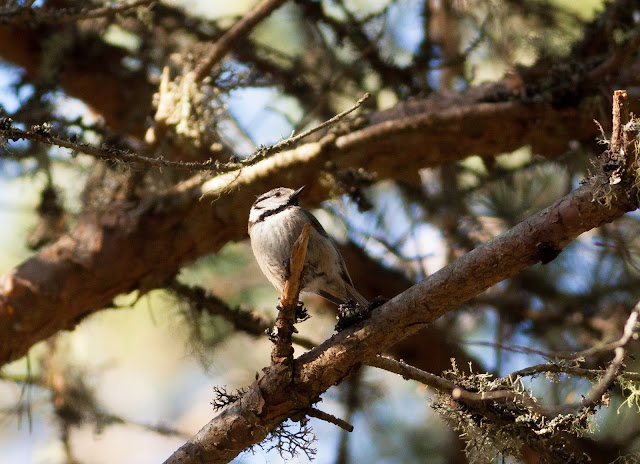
293, 201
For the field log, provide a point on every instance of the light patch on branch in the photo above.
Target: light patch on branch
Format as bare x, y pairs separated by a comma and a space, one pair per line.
284, 328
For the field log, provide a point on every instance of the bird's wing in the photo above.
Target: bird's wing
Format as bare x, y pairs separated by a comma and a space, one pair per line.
314, 222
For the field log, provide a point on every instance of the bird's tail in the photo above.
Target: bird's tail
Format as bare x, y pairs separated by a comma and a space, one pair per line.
353, 293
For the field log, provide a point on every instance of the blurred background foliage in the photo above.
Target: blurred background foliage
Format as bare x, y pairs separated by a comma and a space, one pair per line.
141, 373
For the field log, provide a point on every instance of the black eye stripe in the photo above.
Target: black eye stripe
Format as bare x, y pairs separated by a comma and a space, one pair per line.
266, 196
261, 199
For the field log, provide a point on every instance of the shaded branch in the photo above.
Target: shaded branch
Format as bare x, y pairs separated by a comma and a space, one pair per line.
265, 404
249, 322
313, 412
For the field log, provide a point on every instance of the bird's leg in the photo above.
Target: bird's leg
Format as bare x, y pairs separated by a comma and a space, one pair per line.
350, 313
301, 312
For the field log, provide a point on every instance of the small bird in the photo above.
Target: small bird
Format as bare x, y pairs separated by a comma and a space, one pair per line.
275, 223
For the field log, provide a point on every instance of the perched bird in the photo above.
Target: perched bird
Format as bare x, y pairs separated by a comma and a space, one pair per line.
275, 222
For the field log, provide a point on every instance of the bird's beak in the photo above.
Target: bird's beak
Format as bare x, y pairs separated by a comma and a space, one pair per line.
297, 193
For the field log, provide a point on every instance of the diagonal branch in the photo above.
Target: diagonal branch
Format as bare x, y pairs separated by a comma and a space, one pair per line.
77, 275
42, 135
239, 31
266, 404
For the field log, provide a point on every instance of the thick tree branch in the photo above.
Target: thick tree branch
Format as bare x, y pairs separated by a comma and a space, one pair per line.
266, 404
49, 291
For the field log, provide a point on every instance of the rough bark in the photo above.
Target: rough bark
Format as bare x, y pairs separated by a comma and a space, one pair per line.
269, 401
137, 246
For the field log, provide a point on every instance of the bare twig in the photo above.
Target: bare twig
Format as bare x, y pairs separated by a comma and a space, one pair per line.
595, 395
620, 118
445, 386
621, 150
553, 368
9, 132
284, 329
313, 412
237, 32
458, 393
263, 153
408, 372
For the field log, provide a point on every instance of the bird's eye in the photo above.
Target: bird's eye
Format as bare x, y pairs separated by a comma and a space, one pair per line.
278, 194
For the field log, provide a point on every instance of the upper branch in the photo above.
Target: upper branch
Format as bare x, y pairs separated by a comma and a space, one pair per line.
50, 291
239, 31
42, 135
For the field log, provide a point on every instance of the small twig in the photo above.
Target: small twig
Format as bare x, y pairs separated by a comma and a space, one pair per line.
263, 153
284, 328
620, 118
313, 412
621, 147
595, 395
445, 386
553, 368
552, 355
9, 132
408, 372
237, 32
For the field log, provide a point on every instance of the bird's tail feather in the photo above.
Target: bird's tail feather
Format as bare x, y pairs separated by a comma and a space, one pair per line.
353, 293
